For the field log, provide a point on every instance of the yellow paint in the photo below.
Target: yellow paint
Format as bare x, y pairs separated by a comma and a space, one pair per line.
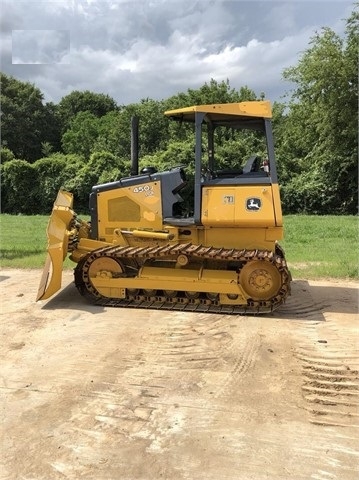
250, 206
58, 231
149, 216
203, 280
250, 109
232, 216
138, 206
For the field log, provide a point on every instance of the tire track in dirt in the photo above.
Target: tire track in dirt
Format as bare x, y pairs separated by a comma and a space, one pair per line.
196, 362
330, 373
243, 352
300, 305
331, 388
152, 392
100, 394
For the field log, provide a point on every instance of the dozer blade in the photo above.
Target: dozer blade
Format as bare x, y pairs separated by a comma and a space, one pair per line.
57, 235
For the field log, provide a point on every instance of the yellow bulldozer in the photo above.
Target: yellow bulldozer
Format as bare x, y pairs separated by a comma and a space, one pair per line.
139, 250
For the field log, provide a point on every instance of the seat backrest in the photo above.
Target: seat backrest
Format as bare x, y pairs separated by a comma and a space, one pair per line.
252, 164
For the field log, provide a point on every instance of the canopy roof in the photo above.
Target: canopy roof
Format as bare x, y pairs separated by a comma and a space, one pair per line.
235, 115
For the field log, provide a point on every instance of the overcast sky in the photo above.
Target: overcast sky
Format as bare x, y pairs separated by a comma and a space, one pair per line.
136, 49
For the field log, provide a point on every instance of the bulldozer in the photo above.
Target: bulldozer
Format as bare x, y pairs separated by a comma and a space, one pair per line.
140, 250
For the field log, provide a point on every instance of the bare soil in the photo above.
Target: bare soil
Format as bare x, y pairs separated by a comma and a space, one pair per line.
110, 393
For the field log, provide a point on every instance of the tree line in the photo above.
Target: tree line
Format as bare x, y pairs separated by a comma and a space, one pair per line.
85, 139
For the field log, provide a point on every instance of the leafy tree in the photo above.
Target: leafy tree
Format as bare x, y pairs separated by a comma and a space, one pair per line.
51, 136
106, 167
152, 127
102, 167
321, 126
209, 93
18, 178
177, 153
112, 132
108, 134
81, 137
114, 129
52, 173
80, 186
153, 131
97, 104
25, 121
6, 155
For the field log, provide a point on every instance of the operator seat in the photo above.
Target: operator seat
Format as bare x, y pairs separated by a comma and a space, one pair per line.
252, 164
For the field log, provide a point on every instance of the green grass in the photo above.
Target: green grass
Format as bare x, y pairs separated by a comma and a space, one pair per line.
321, 246
23, 241
315, 246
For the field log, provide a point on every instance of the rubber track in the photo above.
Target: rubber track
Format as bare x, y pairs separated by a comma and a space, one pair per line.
171, 252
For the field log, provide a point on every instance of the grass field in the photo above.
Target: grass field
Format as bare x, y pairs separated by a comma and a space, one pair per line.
315, 246
321, 246
23, 241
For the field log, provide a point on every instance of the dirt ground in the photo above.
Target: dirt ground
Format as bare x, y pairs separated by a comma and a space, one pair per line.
103, 393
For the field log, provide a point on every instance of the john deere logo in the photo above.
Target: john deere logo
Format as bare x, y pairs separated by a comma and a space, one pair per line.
253, 204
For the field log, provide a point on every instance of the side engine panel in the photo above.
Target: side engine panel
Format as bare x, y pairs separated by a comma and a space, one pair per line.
138, 202
127, 207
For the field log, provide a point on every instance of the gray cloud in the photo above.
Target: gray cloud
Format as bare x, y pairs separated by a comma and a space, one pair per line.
156, 48
40, 46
